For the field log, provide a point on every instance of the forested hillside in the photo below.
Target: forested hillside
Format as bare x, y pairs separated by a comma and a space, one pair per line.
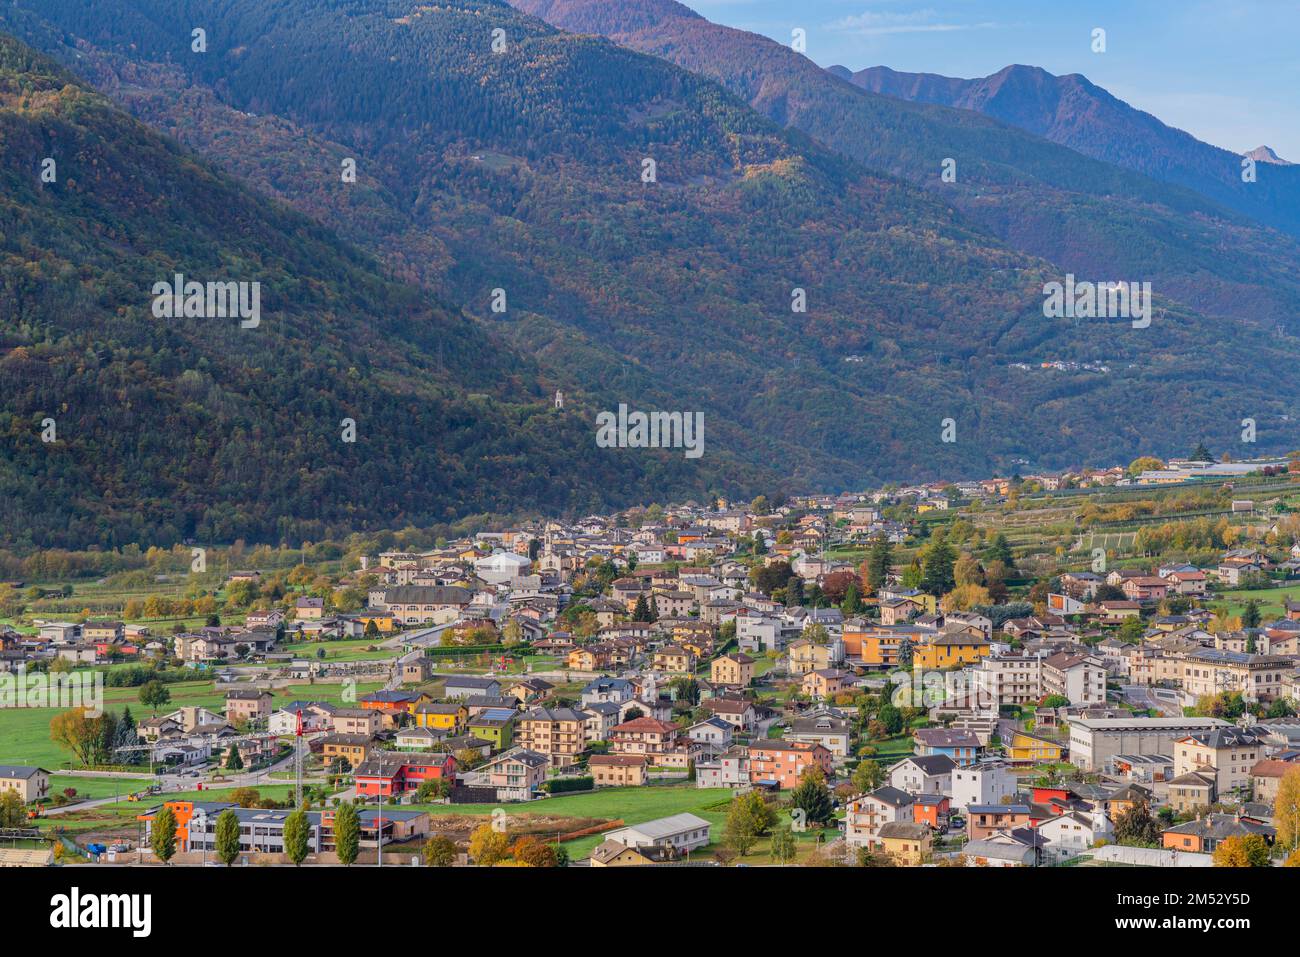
172, 428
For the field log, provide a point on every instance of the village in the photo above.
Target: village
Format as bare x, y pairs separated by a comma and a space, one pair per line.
1094, 668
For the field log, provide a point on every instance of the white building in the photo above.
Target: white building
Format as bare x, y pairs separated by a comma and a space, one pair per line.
981, 784
1081, 679
1070, 834
1008, 680
501, 568
923, 774
1094, 741
682, 832
729, 770
756, 634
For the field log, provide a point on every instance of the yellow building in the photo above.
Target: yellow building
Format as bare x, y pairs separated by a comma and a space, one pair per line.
384, 620
907, 843
1029, 748
806, 656
447, 717
700, 631
674, 658
736, 668
352, 748
947, 651
616, 854
699, 647
590, 658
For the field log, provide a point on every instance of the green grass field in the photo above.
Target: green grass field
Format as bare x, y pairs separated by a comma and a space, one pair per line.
634, 805
25, 732
1270, 600
348, 650
893, 749
96, 788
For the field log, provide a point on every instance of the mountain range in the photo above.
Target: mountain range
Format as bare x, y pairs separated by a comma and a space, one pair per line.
1081, 115
501, 158
1090, 217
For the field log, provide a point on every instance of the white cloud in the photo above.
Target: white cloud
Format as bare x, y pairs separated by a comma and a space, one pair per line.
873, 23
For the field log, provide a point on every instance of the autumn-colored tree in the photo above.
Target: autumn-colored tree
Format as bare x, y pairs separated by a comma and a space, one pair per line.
1286, 809
995, 576
439, 851
81, 734
1143, 464
967, 571
488, 846
835, 586
1242, 850
12, 811
966, 597
748, 819
529, 850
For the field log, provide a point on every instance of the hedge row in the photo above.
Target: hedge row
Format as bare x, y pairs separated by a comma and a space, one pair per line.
454, 651
560, 785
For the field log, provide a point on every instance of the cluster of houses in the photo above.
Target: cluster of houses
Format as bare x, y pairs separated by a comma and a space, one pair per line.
77, 643
677, 664
1007, 817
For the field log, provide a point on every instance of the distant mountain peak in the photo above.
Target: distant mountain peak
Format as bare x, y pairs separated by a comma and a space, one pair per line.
1073, 111
1265, 154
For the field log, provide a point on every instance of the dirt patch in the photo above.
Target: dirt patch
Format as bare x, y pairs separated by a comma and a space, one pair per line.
544, 827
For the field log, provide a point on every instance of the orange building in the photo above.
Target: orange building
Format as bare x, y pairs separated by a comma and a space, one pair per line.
825, 682
184, 812
783, 763
394, 700
931, 809
871, 643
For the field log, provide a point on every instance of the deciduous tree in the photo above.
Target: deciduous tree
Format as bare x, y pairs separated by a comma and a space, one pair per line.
439, 851
162, 834
748, 819
227, 837
297, 831
347, 833
488, 846
1242, 850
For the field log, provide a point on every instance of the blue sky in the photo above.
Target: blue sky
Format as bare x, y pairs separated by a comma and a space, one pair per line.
1227, 71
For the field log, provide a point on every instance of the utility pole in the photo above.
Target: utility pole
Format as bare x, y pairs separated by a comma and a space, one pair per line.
297, 762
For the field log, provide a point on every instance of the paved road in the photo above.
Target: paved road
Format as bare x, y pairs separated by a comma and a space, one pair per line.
1142, 697
84, 805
